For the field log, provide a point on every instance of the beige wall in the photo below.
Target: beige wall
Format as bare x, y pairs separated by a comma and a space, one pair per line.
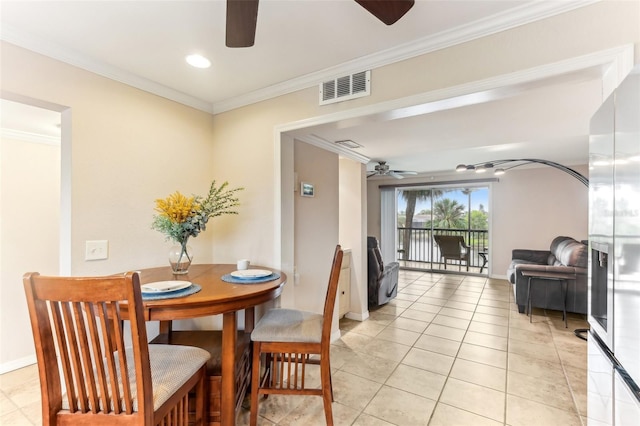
527, 208
353, 232
128, 148
29, 235
316, 224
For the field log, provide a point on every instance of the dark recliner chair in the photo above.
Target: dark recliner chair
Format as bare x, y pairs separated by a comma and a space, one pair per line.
383, 279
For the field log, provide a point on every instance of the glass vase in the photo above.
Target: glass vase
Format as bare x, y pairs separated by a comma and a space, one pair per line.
180, 258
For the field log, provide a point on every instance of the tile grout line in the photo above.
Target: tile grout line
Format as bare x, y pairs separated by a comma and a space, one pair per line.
455, 357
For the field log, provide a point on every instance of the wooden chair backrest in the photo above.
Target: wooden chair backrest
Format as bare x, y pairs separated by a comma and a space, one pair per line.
77, 322
330, 298
450, 245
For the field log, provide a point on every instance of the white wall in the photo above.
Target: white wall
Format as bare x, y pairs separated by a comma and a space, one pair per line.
29, 234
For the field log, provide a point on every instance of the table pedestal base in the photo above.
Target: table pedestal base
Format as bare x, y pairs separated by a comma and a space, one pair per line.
211, 341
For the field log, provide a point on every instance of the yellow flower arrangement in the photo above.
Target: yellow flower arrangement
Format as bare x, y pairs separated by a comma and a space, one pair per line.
180, 217
177, 208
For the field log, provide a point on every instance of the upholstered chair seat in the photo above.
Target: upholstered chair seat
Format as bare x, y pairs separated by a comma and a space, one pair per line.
171, 366
288, 325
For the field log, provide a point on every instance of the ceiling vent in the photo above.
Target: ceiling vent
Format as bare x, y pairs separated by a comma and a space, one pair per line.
348, 143
344, 88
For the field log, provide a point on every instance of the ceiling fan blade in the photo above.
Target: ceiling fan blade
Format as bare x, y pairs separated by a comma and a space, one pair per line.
404, 172
395, 174
242, 17
388, 11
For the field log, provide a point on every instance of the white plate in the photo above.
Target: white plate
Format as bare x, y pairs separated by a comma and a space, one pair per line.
251, 273
164, 286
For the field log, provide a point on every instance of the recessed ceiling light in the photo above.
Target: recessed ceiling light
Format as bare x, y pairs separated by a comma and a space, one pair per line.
198, 61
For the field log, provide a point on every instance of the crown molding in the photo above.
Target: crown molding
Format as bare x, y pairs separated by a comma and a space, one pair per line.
518, 16
22, 136
72, 57
521, 15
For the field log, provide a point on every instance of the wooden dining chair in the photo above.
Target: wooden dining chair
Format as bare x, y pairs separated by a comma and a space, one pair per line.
80, 344
289, 337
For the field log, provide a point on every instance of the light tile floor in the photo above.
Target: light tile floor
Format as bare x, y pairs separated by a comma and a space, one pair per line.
449, 350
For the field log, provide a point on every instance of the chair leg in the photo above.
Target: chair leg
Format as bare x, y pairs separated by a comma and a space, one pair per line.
564, 287
199, 409
529, 307
330, 380
327, 391
255, 384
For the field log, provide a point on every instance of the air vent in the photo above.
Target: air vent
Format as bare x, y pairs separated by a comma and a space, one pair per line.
344, 88
348, 143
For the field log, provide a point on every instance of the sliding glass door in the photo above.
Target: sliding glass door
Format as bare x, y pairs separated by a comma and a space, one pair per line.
426, 212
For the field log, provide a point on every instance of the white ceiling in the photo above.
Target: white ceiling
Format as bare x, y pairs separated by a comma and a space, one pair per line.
301, 43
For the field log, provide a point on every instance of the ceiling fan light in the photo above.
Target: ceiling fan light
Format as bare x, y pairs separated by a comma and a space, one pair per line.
461, 168
198, 61
498, 172
480, 169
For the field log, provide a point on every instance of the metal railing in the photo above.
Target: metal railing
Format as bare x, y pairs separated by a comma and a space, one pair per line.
422, 247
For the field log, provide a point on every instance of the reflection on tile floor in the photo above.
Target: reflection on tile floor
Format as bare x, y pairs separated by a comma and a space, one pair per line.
449, 350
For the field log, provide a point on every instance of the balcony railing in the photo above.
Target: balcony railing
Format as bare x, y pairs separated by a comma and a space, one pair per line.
422, 247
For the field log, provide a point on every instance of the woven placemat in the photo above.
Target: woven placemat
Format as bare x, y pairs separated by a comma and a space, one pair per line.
230, 279
194, 288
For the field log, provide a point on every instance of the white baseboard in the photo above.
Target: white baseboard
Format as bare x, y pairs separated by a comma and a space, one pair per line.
16, 364
357, 316
499, 277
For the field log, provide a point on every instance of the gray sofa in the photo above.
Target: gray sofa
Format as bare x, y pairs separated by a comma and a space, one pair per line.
565, 256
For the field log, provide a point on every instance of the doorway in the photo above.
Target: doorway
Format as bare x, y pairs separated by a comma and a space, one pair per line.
31, 224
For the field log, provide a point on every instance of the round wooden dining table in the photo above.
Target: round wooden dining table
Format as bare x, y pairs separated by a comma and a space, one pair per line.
215, 297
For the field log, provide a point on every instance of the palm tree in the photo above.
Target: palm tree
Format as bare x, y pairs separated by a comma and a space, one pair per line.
449, 213
411, 197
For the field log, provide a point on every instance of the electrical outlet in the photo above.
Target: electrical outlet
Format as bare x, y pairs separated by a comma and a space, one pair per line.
96, 250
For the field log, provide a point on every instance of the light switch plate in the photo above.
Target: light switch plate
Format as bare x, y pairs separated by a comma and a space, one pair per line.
96, 250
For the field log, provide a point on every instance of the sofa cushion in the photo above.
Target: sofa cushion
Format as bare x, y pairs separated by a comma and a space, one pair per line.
568, 252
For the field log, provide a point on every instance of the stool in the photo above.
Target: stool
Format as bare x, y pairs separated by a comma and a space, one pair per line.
560, 277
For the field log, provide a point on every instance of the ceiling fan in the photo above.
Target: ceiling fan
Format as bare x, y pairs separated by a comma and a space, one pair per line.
382, 169
242, 16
